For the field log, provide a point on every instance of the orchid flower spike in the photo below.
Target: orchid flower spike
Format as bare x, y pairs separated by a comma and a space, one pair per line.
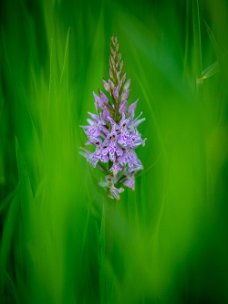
112, 131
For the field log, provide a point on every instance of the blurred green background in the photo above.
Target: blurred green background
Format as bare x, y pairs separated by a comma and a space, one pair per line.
62, 239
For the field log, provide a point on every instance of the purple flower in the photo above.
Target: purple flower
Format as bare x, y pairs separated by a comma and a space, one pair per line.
109, 183
100, 101
129, 160
130, 182
116, 168
92, 158
112, 131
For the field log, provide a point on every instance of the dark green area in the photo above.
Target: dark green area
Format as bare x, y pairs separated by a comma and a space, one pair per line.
62, 239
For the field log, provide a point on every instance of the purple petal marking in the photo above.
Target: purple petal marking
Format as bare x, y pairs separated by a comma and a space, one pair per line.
92, 158
136, 122
94, 116
98, 101
104, 158
111, 84
106, 114
123, 107
90, 121
116, 92
115, 192
130, 182
116, 167
103, 98
125, 95
132, 107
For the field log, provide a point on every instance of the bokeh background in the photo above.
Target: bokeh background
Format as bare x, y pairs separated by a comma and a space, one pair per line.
62, 239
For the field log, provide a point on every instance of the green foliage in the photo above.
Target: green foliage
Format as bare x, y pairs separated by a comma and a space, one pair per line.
62, 239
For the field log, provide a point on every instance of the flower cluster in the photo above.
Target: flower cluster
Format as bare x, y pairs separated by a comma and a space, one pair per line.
112, 131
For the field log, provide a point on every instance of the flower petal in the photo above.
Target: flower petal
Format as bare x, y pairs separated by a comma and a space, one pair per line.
132, 107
